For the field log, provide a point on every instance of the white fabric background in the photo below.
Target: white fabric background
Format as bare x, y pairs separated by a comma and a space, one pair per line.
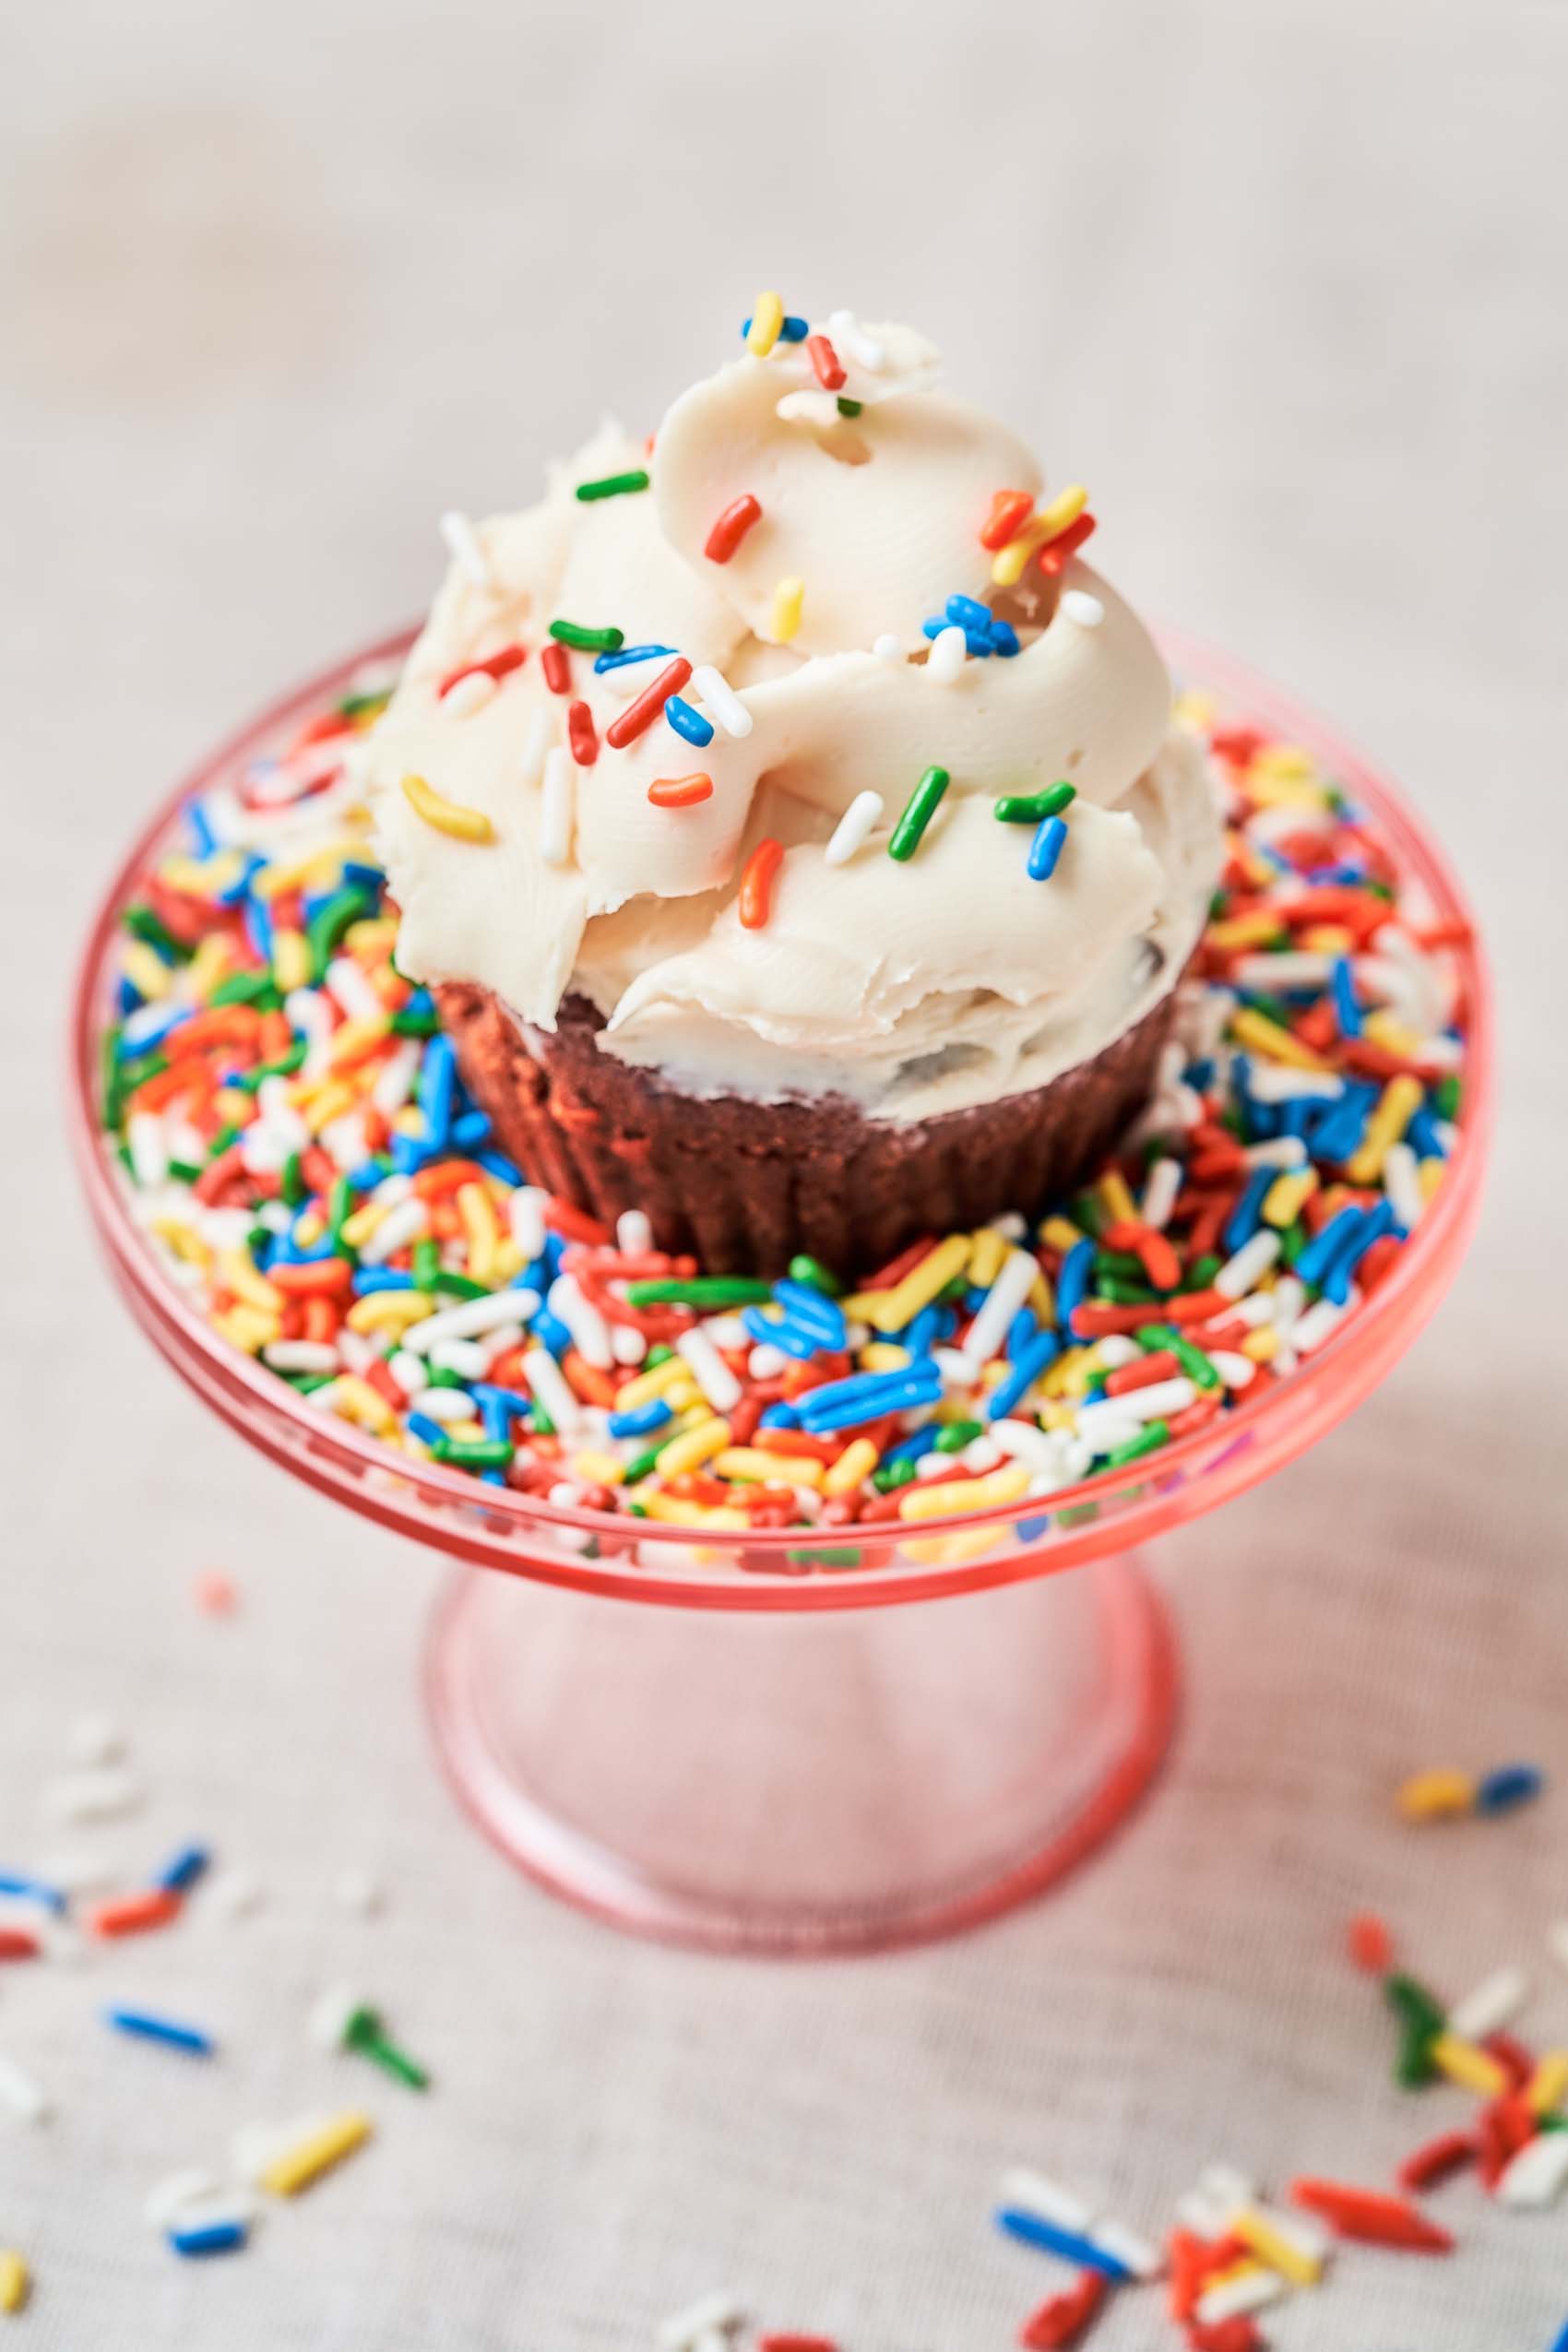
1283, 283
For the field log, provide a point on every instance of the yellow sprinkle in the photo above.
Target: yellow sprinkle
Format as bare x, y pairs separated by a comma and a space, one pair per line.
692, 1447
1248, 1027
1383, 1030
393, 1310
1546, 2086
1068, 1376
478, 1213
1429, 1174
374, 936
773, 1469
1253, 930
936, 1500
1061, 1416
353, 1399
312, 865
1282, 793
1400, 1102
1261, 1346
213, 958
767, 319
1232, 2272
1061, 1233
1119, 1205
147, 972
669, 1508
599, 1469
1328, 939
1273, 2247
291, 960
856, 1463
1287, 1196
918, 1289
1040, 1298
995, 1373
987, 1250
686, 1400
248, 1329
467, 1432
358, 1228
1194, 709
309, 1228
950, 1551
1041, 527
237, 1273
787, 598
205, 876
1432, 1796
882, 1356
507, 1262
353, 1039
187, 1244
862, 1306
1283, 759
1476, 2070
446, 816
15, 2280
317, 2153
328, 1102
646, 1385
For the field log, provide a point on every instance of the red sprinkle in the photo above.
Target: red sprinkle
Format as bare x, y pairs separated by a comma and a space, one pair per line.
788, 2343
556, 664
134, 1913
641, 714
1234, 2335
1055, 553
825, 360
756, 883
498, 665
574, 1224
680, 792
732, 527
1010, 510
1064, 2319
1371, 1944
18, 1943
1371, 2217
1427, 2166
580, 734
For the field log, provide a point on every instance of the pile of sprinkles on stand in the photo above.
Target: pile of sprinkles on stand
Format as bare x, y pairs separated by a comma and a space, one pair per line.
297, 1140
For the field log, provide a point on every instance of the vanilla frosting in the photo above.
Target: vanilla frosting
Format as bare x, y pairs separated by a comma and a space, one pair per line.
911, 987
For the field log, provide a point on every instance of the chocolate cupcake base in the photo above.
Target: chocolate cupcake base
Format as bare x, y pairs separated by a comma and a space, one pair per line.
743, 1185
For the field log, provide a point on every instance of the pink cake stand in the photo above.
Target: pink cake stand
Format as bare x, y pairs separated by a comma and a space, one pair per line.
790, 1743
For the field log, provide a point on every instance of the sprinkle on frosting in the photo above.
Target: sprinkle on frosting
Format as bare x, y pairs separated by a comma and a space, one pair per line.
446, 816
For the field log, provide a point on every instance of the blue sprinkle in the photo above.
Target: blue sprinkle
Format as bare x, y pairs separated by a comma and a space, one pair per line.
794, 330
182, 1871
1027, 1368
642, 1421
369, 1279
409, 1154
421, 1002
929, 1329
1509, 1785
202, 834
438, 1074
231, 894
1347, 1012
1020, 1331
812, 1309
469, 1131
127, 996
554, 1251
149, 1027
794, 1338
511, 1401
495, 1415
495, 1163
967, 613
1321, 1251
551, 1332
1422, 1136
1051, 836
429, 1432
1374, 1224
913, 1448
1072, 1282
781, 1416
146, 2026
34, 1890
1003, 639
866, 1396
1052, 2240
208, 2238
689, 722
977, 642
628, 654
1247, 1215
1199, 1076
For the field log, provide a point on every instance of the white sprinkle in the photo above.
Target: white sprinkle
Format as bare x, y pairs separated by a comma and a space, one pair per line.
711, 1372
466, 1358
634, 1231
721, 699
234, 1895
171, 2195
329, 2014
949, 654
1269, 972
1252, 2290
1153, 1403
464, 546
446, 1405
1205, 2216
525, 1216
1023, 1442
1142, 2258
149, 1146
1031, 2193
358, 1892
983, 1452
470, 1317
1402, 1185
887, 647
26, 2099
555, 814
547, 1382
1319, 1322
766, 1364
994, 1320
105, 1795
96, 1739
255, 2147
541, 726
227, 2208
1115, 1351
1495, 2003
1538, 2175
301, 1355
1275, 1082
1246, 1269
1010, 1224
347, 982
590, 1333
1236, 1371
627, 1344
1280, 1151
470, 693
863, 814
1160, 1191
495, 1343
1083, 608
1284, 1304
403, 1223
1101, 1428
715, 2314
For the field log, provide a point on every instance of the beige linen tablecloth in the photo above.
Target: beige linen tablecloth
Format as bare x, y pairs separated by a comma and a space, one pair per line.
1283, 283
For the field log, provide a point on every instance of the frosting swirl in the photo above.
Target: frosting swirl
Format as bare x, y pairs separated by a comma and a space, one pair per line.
911, 987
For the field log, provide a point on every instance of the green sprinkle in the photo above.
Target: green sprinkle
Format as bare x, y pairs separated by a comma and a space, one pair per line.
1124, 1293
458, 1286
656, 1355
246, 987
840, 1556
424, 1264
330, 923
1414, 2066
612, 486
257, 1240
438, 1377
308, 1383
918, 810
1087, 1212
1291, 1244
473, 1453
539, 1423
1152, 1336
111, 1078
220, 1142
1445, 1095
893, 1475
364, 706
572, 633
850, 408
1201, 1273
291, 1184
339, 1205
1410, 1999
183, 1171
1149, 1439
1033, 808
816, 1276
643, 1465
1122, 1264
704, 1290
408, 1023
284, 1068
951, 1292
142, 923
956, 1436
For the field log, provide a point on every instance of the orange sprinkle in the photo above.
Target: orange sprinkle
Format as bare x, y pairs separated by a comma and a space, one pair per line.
1010, 510
756, 883
680, 792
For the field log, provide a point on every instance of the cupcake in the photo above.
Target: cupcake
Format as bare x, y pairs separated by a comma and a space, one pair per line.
790, 824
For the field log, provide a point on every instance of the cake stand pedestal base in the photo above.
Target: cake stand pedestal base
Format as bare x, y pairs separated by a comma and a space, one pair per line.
814, 1780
